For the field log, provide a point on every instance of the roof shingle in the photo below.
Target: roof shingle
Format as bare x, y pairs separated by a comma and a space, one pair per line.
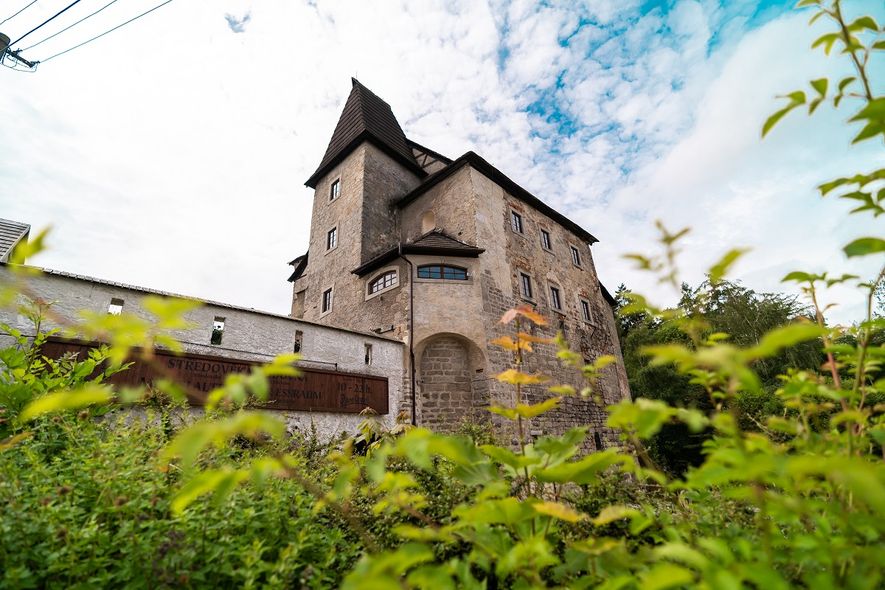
11, 232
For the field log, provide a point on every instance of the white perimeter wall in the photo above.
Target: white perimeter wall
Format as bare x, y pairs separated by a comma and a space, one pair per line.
248, 335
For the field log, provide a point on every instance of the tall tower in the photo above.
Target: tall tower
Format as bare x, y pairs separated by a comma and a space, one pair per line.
368, 166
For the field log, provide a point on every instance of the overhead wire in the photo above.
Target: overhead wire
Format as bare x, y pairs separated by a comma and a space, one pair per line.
69, 26
18, 13
106, 32
47, 21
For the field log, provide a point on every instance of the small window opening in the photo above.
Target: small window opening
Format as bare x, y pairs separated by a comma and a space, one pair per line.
545, 239
555, 299
368, 357
516, 222
576, 256
585, 310
327, 300
526, 285
335, 190
299, 338
598, 440
217, 330
116, 306
332, 238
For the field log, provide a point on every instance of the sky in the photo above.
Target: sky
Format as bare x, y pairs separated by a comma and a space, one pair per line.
173, 152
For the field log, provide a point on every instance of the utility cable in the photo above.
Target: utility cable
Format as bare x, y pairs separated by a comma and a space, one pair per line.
47, 21
18, 13
69, 26
106, 32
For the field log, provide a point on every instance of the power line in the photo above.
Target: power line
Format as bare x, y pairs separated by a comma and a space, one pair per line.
69, 26
47, 21
106, 32
18, 13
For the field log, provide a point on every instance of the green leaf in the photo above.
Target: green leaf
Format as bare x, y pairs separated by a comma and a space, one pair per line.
820, 85
66, 400
864, 246
784, 337
666, 575
864, 22
773, 119
827, 41
612, 513
560, 511
719, 270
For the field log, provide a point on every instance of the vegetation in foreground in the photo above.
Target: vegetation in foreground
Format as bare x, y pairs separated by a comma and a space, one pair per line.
791, 494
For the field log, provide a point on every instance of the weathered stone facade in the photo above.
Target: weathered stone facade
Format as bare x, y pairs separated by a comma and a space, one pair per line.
394, 217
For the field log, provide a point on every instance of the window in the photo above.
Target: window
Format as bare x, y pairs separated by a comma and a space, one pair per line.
555, 300
368, 358
327, 300
116, 306
598, 440
585, 310
335, 190
545, 239
299, 339
526, 285
576, 256
442, 272
516, 222
332, 238
383, 281
217, 330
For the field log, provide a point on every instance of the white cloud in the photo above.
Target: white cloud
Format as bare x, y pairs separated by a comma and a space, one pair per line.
172, 153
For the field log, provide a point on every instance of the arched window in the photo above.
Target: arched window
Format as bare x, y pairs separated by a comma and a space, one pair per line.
442, 271
383, 281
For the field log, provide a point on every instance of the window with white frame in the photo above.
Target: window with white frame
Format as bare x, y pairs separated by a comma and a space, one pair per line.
383, 281
332, 238
516, 222
327, 300
335, 190
545, 239
116, 306
217, 330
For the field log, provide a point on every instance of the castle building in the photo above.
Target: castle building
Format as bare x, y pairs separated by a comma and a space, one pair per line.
408, 243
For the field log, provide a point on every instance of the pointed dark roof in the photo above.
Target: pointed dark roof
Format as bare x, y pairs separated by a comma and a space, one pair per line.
300, 263
365, 117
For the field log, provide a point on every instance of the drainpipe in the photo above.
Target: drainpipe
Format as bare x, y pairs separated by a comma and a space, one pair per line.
411, 334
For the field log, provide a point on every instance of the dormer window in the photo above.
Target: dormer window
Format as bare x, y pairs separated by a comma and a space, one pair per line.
442, 272
335, 189
383, 281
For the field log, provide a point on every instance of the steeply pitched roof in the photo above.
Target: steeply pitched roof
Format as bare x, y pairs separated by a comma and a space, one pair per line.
433, 242
476, 162
365, 117
11, 232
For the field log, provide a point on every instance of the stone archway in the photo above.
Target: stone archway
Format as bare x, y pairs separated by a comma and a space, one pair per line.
452, 381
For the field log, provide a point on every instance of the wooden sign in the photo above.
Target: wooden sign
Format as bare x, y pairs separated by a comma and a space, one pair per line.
314, 391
